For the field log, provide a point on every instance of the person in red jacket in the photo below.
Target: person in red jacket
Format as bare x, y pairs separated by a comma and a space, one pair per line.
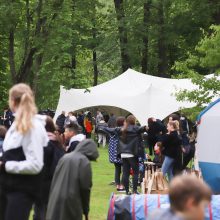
88, 125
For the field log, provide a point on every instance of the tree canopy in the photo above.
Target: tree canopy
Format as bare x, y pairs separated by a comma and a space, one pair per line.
81, 43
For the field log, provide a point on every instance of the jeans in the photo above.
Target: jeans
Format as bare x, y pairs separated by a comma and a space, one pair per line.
128, 163
167, 167
117, 173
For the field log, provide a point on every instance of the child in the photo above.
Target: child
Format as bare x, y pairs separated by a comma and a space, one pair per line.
188, 196
158, 158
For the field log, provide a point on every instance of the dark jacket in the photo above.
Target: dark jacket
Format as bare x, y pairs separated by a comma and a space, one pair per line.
72, 182
154, 132
60, 122
52, 154
172, 145
131, 141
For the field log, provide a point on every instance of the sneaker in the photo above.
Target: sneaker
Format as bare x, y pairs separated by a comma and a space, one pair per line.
136, 192
121, 190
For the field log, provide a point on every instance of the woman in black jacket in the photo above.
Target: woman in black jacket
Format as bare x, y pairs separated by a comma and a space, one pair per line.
130, 148
171, 148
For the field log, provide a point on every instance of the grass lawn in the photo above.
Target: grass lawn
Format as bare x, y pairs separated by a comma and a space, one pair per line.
103, 174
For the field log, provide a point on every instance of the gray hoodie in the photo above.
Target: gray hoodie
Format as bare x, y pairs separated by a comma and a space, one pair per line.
164, 214
72, 182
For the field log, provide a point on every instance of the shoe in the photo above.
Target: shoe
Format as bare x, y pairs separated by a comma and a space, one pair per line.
121, 190
128, 193
136, 192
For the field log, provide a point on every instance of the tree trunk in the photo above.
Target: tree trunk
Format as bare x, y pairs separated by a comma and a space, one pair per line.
215, 8
12, 56
162, 49
123, 38
144, 62
73, 54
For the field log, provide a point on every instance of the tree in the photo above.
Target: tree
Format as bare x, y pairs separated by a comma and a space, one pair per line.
205, 60
122, 32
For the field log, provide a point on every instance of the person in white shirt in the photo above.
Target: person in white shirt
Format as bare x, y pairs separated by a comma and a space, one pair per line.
22, 160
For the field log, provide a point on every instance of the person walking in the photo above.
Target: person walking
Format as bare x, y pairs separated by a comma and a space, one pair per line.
88, 125
72, 183
101, 135
22, 159
172, 150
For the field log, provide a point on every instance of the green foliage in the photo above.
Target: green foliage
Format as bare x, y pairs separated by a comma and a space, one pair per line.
65, 33
205, 60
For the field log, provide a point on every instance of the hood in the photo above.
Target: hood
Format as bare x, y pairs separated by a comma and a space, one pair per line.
41, 119
78, 137
89, 148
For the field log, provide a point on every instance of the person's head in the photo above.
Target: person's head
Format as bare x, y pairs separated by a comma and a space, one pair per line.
173, 126
189, 196
174, 117
21, 101
50, 126
71, 130
120, 121
3, 131
70, 114
158, 147
130, 120
150, 121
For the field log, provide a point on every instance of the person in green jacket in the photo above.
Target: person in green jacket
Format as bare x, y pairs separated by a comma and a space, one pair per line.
72, 183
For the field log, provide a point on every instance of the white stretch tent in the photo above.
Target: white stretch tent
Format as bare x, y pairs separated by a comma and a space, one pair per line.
142, 95
208, 143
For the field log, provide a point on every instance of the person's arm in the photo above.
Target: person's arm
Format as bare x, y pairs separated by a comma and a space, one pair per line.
142, 129
32, 144
85, 182
111, 130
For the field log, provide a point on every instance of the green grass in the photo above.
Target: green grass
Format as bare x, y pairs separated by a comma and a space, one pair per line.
103, 174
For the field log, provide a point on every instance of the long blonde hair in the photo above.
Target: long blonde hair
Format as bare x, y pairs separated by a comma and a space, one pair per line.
22, 98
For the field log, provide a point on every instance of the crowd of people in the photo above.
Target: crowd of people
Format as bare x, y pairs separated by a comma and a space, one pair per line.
41, 165
47, 164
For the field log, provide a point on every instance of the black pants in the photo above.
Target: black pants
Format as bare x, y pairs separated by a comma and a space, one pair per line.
129, 163
18, 206
40, 211
117, 173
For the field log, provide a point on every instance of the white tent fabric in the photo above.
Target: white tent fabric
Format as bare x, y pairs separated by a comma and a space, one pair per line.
208, 147
142, 95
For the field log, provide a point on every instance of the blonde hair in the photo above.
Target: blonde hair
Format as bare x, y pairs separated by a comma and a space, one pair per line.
175, 124
22, 98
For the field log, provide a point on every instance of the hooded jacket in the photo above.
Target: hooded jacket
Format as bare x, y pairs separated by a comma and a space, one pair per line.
74, 141
72, 182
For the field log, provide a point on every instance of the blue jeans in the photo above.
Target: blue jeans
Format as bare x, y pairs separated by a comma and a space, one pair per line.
167, 167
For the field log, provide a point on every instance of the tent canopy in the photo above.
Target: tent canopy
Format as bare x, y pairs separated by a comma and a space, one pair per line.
208, 145
142, 95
